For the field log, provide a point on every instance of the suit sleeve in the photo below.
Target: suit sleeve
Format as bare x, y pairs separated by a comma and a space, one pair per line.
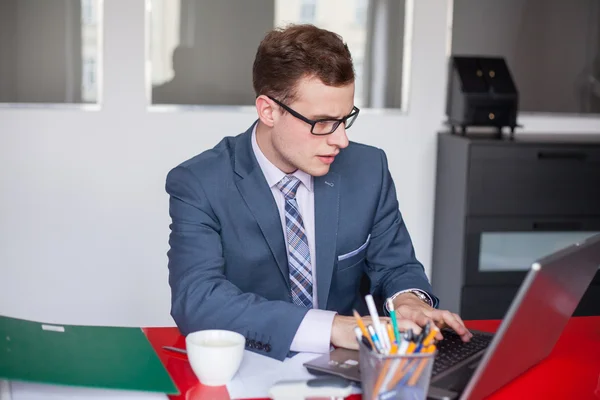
201, 296
391, 262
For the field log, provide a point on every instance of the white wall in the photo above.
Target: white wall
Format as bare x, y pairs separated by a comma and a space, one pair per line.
83, 211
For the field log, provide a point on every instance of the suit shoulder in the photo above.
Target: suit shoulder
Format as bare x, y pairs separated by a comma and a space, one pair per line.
223, 150
361, 161
356, 149
219, 158
360, 153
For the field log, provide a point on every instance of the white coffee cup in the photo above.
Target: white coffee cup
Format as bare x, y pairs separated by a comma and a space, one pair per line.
215, 355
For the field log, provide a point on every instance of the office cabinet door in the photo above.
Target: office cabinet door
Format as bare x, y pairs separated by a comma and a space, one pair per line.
500, 251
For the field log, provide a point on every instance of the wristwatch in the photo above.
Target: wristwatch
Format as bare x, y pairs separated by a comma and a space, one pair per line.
422, 296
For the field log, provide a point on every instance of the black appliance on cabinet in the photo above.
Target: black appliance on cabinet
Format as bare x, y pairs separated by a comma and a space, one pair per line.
502, 203
481, 92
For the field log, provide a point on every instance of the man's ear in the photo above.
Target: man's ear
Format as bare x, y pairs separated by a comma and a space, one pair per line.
265, 110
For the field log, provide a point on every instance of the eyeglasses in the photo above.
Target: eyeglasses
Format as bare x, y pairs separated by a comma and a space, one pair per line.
322, 126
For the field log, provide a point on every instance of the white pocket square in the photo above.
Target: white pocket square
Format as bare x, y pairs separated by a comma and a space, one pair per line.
355, 252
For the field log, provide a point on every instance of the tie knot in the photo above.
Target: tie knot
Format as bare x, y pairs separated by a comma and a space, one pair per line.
288, 185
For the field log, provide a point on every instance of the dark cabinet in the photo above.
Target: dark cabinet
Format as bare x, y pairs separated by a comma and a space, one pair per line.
503, 203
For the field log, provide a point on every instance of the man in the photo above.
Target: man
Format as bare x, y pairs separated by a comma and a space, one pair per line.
273, 230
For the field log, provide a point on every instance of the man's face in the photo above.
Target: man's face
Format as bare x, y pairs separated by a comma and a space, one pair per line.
294, 144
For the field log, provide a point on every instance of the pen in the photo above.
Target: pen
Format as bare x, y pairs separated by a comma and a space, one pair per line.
381, 333
390, 305
175, 349
419, 338
427, 328
405, 342
378, 346
429, 339
358, 334
366, 342
363, 328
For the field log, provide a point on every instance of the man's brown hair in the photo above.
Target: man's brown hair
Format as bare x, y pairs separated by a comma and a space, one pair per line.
286, 55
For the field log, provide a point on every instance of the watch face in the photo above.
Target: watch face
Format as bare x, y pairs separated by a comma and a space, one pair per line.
421, 296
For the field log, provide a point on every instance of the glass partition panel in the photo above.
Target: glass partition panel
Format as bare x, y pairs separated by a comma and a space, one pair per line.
201, 51
49, 51
552, 48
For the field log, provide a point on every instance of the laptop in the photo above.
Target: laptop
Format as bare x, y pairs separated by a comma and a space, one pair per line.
547, 298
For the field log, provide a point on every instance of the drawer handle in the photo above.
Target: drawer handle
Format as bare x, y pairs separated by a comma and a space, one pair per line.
557, 226
561, 155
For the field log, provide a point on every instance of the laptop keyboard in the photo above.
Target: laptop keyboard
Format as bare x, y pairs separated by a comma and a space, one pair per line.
453, 350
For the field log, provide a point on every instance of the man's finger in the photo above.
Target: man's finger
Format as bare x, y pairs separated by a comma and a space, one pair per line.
459, 319
406, 324
454, 323
421, 319
468, 335
369, 320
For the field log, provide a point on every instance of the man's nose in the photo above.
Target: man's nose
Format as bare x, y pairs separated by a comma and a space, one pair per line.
339, 138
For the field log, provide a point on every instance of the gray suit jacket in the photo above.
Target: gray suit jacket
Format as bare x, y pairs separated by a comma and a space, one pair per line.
228, 264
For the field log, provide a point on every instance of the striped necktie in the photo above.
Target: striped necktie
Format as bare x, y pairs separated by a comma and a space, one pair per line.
297, 243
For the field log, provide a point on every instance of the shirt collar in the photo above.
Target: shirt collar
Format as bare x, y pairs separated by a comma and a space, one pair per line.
271, 172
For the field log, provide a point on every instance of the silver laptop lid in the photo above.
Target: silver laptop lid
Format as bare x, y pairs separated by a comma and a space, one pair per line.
537, 316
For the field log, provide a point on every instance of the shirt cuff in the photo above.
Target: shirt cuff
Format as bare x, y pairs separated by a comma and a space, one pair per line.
314, 333
431, 302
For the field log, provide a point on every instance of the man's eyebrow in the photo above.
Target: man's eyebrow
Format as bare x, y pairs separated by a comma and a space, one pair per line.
323, 116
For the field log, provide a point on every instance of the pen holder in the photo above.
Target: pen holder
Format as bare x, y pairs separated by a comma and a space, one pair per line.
386, 377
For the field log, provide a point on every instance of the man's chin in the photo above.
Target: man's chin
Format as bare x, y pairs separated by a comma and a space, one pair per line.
317, 171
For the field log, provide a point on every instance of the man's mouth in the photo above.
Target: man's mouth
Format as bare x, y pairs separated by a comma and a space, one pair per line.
327, 159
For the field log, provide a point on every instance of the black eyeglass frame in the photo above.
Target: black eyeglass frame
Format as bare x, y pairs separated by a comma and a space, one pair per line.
312, 122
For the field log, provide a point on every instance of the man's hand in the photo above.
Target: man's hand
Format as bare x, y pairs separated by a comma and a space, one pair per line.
342, 332
410, 307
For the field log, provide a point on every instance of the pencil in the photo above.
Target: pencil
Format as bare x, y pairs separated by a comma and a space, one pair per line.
382, 375
394, 343
390, 332
415, 376
363, 328
400, 372
175, 349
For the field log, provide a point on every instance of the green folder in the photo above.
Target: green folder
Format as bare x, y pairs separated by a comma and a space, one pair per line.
92, 356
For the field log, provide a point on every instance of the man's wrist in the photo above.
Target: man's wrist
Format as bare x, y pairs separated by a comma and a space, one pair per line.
423, 296
411, 294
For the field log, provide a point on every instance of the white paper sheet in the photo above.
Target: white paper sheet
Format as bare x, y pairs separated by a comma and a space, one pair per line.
40, 391
258, 373
5, 393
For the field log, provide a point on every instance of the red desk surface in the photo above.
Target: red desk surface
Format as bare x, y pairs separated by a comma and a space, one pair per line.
572, 371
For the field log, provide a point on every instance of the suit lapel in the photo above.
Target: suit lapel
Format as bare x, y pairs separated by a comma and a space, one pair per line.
255, 191
327, 196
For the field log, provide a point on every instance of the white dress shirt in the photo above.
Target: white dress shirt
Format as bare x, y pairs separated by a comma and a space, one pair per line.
314, 333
